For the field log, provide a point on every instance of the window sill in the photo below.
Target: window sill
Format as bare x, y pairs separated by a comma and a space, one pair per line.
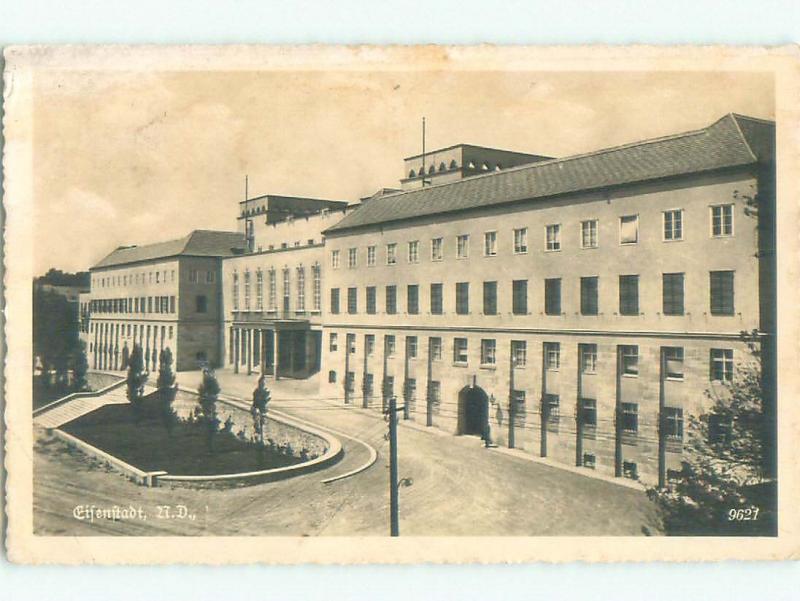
488, 366
589, 247
673, 379
630, 375
674, 240
458, 364
552, 250
520, 252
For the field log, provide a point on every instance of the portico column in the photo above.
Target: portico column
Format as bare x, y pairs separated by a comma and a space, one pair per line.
263, 340
249, 334
236, 349
275, 351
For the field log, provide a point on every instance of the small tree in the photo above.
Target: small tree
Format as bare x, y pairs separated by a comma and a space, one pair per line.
137, 378
167, 389
723, 468
81, 368
261, 398
209, 392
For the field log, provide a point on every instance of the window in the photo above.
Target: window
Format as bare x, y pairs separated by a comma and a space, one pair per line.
490, 298
246, 290
286, 290
553, 237
370, 256
630, 417
435, 346
521, 241
588, 412
589, 233
720, 429
673, 362
209, 277
351, 343
589, 295
333, 343
411, 347
435, 394
259, 290
436, 299
352, 258
672, 420
335, 301
158, 277
391, 347
391, 300
552, 411
552, 356
412, 299
672, 293
350, 381
462, 298
722, 220
391, 253
171, 304
335, 259
368, 385
436, 249
369, 344
519, 353
589, 461
315, 272
201, 303
630, 470
629, 295
519, 297
371, 300
588, 358
273, 290
462, 246
721, 365
552, 296
352, 301
171, 332
721, 293
488, 351
460, 350
490, 244
235, 291
413, 251
629, 360
388, 386
629, 229
192, 276
149, 304
673, 225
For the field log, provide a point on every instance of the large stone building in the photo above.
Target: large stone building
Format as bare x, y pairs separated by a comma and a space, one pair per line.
580, 306
160, 295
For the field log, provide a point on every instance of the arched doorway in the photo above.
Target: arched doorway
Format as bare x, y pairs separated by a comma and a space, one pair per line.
473, 410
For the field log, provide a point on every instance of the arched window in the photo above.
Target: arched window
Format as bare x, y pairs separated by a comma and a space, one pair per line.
485, 167
453, 164
498, 167
471, 165
431, 169
442, 166
412, 173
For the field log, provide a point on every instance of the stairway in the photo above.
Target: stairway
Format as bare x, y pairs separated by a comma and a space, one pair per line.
81, 405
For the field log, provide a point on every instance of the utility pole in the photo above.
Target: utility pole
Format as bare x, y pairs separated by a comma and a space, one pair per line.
512, 405
394, 517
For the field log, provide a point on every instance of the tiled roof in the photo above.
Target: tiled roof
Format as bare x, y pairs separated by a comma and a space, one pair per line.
200, 243
732, 141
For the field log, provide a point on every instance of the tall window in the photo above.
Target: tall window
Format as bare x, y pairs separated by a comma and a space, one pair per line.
411, 347
335, 259
390, 343
436, 249
369, 344
370, 256
519, 353
352, 258
315, 272
435, 346
335, 301
371, 300
552, 356
488, 351
413, 251
462, 246
521, 241
630, 417
460, 350
672, 293
722, 293
519, 297
553, 237
412, 299
352, 300
629, 295
273, 290
235, 291
287, 291
333, 344
672, 420
259, 290
391, 253
462, 298
436, 299
589, 233
490, 244
587, 357
201, 303
629, 229
673, 225
490, 298
391, 300
673, 362
301, 289
589, 412
629, 359
722, 220
722, 364
552, 296
589, 295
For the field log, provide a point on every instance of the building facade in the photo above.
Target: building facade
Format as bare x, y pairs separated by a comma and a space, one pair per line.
579, 308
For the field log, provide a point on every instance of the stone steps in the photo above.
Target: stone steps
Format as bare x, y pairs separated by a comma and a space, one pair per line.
79, 406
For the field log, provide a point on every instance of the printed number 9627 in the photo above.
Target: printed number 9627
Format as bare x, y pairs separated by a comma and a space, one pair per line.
743, 515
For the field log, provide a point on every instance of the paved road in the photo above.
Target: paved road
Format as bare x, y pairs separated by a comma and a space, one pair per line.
456, 488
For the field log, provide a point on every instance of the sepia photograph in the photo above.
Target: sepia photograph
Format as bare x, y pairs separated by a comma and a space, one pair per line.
374, 293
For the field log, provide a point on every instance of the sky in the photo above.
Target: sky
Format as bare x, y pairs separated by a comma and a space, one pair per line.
138, 157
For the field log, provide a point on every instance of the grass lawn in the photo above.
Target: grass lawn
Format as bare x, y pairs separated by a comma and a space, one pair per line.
146, 444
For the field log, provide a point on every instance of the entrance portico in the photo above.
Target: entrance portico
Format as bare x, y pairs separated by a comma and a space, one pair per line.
278, 348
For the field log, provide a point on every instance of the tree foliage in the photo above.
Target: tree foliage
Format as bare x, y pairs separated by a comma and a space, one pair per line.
167, 389
55, 330
136, 379
80, 368
209, 393
261, 399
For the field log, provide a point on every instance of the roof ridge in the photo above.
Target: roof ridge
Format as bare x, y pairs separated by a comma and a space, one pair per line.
757, 119
732, 117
